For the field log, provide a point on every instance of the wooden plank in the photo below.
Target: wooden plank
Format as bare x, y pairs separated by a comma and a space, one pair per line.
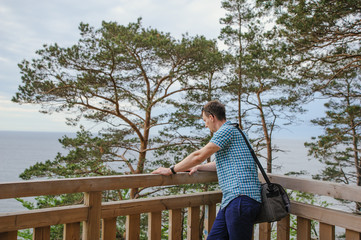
133, 206
210, 216
71, 231
109, 228
335, 190
42, 217
352, 235
330, 216
303, 228
154, 225
175, 224
327, 232
133, 227
265, 231
78, 213
42, 233
91, 227
193, 223
94, 184
283, 228
13, 235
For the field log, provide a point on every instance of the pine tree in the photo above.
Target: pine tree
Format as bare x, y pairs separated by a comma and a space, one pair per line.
238, 14
128, 80
118, 76
340, 146
324, 35
267, 91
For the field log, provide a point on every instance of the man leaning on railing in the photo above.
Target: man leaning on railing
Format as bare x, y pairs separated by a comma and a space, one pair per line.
237, 175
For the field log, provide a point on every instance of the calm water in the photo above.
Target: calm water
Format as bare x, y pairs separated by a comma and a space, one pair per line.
19, 150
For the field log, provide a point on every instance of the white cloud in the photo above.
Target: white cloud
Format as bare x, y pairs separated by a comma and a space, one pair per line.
4, 60
25, 25
8, 106
177, 16
28, 118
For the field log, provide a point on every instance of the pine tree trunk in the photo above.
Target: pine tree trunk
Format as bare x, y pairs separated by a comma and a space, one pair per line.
142, 152
355, 152
266, 135
356, 160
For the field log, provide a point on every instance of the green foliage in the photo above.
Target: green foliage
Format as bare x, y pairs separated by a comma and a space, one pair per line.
338, 148
127, 78
265, 93
142, 87
25, 234
324, 35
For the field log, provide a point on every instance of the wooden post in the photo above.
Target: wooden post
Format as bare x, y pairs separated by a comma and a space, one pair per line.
283, 228
175, 224
303, 228
133, 227
9, 235
210, 216
327, 232
154, 225
352, 235
265, 231
91, 227
193, 223
71, 231
109, 228
41, 233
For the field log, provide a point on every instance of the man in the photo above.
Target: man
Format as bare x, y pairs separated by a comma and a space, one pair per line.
237, 175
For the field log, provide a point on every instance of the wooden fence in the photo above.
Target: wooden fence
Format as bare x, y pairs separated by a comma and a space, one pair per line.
99, 218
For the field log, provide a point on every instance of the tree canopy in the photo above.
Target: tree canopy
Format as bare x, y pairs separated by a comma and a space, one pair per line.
127, 77
325, 35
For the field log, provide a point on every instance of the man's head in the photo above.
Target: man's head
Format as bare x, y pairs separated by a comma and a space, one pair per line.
214, 115
216, 109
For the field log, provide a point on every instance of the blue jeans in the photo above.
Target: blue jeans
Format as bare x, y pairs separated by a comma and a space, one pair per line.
235, 221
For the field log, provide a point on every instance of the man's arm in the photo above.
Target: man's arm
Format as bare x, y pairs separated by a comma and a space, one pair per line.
191, 160
208, 167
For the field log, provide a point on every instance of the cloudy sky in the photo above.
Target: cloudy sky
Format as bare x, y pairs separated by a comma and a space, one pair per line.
25, 25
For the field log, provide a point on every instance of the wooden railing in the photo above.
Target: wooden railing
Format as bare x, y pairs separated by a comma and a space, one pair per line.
99, 219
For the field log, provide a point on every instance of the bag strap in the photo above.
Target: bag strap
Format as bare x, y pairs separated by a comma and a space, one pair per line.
253, 155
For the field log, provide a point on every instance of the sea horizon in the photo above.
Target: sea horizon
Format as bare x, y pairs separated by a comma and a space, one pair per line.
22, 149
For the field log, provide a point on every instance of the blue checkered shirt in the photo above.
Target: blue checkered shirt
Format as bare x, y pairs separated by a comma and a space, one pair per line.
236, 168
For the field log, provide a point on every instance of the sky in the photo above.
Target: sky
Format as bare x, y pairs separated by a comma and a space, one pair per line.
26, 25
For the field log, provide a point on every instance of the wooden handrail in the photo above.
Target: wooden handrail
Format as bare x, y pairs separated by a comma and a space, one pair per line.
42, 217
93, 210
136, 206
79, 213
74, 185
92, 184
322, 188
326, 215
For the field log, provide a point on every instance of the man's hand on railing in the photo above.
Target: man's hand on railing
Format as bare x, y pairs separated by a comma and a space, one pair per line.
193, 170
163, 171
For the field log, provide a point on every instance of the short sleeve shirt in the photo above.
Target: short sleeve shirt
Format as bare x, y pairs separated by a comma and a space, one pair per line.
236, 168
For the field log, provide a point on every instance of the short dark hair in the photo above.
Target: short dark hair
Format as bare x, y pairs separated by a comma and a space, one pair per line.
215, 108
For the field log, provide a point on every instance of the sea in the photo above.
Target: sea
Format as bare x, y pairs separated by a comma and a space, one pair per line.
20, 150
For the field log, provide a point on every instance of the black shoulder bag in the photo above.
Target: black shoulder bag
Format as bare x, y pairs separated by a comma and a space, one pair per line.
275, 202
